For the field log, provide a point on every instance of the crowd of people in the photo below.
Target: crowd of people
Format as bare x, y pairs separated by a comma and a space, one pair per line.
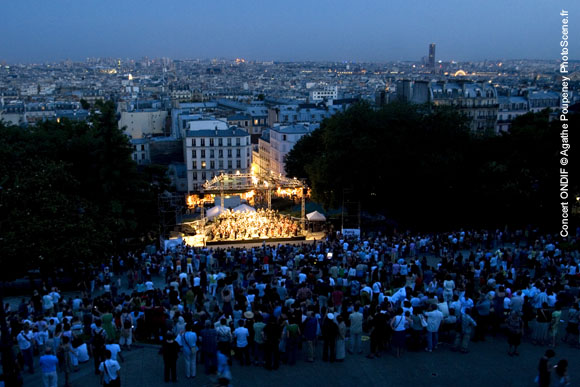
273, 305
263, 223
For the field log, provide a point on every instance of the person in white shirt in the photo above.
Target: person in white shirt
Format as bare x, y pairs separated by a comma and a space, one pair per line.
188, 342
149, 285
110, 371
434, 318
115, 350
25, 342
241, 335
47, 303
356, 322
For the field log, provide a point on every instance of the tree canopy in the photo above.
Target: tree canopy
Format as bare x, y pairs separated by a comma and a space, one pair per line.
70, 192
422, 168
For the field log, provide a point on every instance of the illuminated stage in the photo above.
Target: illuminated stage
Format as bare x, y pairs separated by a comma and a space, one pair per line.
244, 224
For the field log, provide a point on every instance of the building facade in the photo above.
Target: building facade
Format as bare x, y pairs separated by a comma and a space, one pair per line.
282, 140
141, 123
211, 152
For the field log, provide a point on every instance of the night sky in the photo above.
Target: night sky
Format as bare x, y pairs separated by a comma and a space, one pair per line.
365, 30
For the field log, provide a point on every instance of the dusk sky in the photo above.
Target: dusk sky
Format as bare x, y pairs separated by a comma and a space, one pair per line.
365, 30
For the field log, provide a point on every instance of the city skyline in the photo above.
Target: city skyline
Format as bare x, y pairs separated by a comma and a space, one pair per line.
257, 30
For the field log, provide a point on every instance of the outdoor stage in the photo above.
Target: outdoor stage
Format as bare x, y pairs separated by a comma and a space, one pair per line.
254, 240
197, 241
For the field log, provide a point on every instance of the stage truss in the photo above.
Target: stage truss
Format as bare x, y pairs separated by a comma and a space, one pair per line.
245, 182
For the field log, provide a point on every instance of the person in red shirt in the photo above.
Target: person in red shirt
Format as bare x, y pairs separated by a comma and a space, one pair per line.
266, 263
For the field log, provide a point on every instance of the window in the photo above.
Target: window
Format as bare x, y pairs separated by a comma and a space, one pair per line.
203, 165
193, 154
221, 153
229, 153
202, 142
229, 164
194, 175
229, 141
212, 164
220, 142
211, 153
142, 147
203, 153
283, 137
194, 165
211, 142
203, 176
221, 163
142, 156
238, 164
238, 153
238, 141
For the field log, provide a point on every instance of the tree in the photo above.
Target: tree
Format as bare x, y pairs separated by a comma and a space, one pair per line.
71, 191
420, 166
85, 104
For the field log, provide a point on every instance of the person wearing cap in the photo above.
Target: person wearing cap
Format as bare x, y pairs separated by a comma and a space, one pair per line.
48, 363
329, 335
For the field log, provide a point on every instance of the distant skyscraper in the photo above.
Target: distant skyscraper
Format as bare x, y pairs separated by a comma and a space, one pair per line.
432, 55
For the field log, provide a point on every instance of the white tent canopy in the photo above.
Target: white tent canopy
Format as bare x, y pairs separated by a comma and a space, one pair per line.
244, 208
214, 211
316, 217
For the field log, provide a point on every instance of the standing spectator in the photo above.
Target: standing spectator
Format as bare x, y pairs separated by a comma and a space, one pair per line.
25, 343
341, 339
170, 352
292, 340
98, 343
399, 330
115, 350
188, 342
223, 369
272, 331
64, 359
109, 370
515, 326
241, 335
259, 340
434, 318
329, 335
356, 323
544, 369
467, 325
572, 326
224, 338
208, 337
542, 326
310, 331
561, 372
555, 325
48, 363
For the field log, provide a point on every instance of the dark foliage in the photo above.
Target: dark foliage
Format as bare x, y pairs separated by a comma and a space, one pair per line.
71, 192
421, 167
